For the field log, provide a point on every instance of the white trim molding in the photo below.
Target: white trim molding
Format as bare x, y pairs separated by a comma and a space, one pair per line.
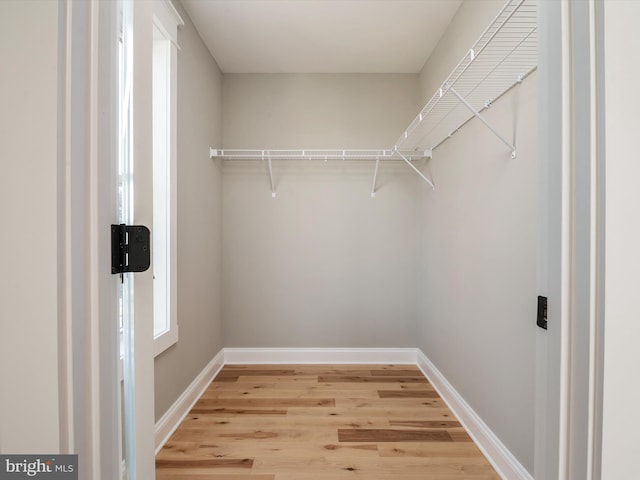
507, 466
166, 21
173, 417
319, 355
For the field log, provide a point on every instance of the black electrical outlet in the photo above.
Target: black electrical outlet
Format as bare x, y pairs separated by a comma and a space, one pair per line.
542, 312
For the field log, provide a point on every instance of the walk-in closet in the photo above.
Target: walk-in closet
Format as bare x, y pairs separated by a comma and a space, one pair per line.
359, 203
320, 239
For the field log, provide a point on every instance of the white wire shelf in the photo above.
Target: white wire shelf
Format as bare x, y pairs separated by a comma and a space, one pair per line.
325, 155
313, 154
502, 57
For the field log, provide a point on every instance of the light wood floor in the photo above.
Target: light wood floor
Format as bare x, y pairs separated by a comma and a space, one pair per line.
321, 422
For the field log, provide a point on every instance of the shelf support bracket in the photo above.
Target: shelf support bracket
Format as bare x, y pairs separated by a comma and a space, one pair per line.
273, 189
375, 176
408, 162
484, 120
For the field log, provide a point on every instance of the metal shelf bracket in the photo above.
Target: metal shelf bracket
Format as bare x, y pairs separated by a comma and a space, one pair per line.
408, 162
375, 176
480, 117
273, 189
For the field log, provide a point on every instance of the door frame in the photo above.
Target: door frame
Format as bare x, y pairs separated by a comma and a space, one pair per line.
88, 337
87, 367
569, 358
87, 134
144, 352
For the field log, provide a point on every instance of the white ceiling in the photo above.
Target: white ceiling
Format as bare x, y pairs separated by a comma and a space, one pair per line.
321, 36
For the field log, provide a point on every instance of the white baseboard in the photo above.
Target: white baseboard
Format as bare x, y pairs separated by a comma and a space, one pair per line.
496, 452
179, 410
319, 355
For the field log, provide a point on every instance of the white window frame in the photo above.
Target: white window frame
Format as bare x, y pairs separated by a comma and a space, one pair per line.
167, 20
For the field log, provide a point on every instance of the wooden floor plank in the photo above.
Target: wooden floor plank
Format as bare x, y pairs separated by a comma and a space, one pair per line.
191, 475
460, 436
364, 369
378, 435
274, 448
370, 379
424, 424
408, 394
450, 450
413, 372
239, 411
280, 379
406, 413
389, 468
302, 393
209, 463
265, 384
268, 402
391, 403
198, 421
321, 422
214, 436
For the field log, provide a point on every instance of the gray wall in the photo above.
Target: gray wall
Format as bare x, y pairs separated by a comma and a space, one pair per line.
620, 417
199, 221
29, 189
323, 264
479, 244
317, 110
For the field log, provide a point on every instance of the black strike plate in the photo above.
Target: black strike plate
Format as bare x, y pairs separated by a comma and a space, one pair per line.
130, 248
542, 312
